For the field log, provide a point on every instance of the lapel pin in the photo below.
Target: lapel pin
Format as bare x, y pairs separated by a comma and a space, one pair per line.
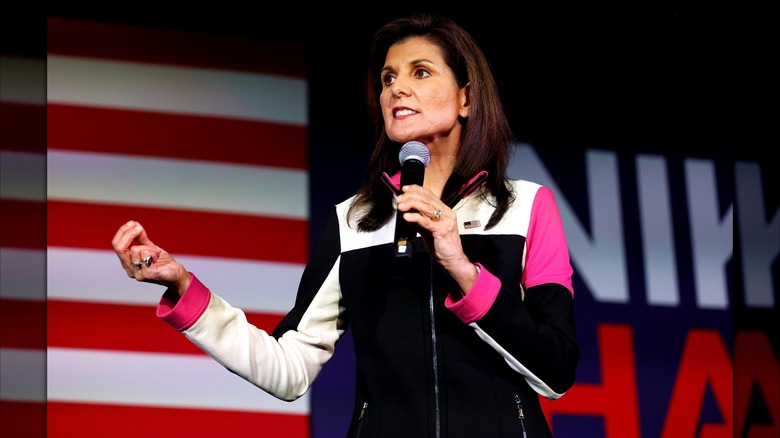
471, 224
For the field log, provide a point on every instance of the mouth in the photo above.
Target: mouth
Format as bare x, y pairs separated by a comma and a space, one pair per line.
401, 112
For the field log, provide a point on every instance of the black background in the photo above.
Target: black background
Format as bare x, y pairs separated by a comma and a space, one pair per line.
638, 77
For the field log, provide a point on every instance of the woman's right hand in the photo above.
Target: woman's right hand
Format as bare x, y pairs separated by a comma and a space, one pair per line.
147, 262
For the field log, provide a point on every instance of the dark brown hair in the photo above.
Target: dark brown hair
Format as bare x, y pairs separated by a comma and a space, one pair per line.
486, 137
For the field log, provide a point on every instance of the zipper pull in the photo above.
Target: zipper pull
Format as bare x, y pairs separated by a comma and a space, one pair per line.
520, 414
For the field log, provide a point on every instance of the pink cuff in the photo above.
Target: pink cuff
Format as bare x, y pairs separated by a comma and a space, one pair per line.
182, 312
478, 301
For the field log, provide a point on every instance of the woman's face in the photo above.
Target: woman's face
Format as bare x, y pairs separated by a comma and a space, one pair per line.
420, 98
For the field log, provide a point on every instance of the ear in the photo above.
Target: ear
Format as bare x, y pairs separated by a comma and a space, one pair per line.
464, 101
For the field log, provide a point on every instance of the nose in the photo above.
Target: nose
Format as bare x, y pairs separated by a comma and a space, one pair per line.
400, 88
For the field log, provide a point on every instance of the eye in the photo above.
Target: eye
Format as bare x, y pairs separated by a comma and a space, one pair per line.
421, 73
387, 79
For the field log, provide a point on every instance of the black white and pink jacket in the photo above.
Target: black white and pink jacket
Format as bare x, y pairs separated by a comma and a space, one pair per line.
429, 362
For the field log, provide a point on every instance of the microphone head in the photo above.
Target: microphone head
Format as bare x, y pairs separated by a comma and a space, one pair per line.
415, 150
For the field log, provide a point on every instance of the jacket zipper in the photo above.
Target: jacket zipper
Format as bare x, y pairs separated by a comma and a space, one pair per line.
520, 414
435, 356
360, 419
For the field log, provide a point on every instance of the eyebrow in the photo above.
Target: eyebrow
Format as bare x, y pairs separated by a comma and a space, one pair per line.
413, 62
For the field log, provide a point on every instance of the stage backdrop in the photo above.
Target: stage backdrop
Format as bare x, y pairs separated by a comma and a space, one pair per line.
207, 140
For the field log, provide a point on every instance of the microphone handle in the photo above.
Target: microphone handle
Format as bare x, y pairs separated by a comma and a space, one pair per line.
412, 172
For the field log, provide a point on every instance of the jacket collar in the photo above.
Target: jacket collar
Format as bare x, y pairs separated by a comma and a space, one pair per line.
393, 182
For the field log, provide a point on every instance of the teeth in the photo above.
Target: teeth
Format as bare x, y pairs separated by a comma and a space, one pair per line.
404, 112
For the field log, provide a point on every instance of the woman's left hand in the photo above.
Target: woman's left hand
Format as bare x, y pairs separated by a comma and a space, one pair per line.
443, 236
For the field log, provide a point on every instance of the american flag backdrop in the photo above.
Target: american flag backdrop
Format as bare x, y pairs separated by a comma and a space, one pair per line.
203, 139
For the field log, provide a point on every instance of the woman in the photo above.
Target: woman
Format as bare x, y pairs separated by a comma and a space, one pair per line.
461, 338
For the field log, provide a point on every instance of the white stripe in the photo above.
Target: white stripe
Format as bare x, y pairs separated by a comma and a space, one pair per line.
23, 176
22, 375
535, 382
200, 91
22, 81
176, 183
173, 380
92, 275
23, 274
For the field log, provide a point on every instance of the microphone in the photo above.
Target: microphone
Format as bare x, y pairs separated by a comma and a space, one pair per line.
414, 158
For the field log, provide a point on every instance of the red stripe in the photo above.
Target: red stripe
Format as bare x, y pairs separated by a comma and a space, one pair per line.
123, 327
23, 224
177, 136
23, 127
22, 324
165, 46
92, 226
100, 420
22, 419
